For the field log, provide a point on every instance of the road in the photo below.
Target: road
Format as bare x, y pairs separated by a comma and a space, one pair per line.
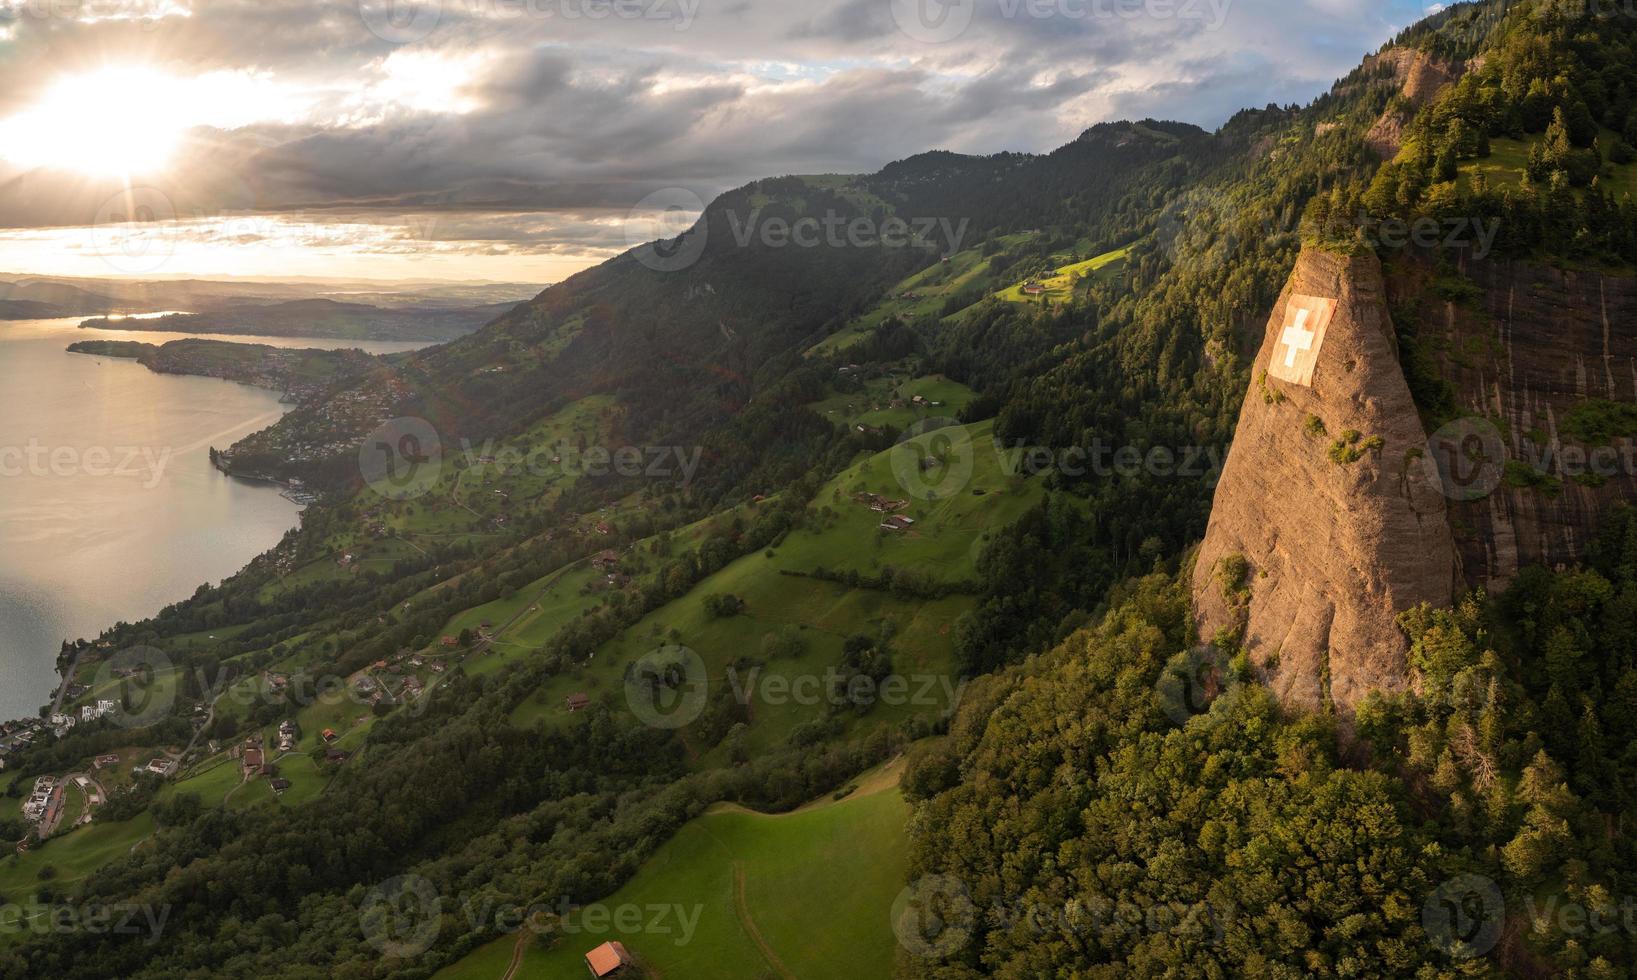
68, 679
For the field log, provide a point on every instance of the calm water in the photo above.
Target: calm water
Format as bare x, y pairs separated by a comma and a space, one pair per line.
109, 507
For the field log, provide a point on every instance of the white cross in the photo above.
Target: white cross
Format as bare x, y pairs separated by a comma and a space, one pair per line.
1297, 337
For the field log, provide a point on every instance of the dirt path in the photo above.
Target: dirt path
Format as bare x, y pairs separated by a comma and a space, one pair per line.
742, 910
517, 955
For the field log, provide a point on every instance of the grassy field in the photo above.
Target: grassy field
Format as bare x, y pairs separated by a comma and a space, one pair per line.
1509, 160
785, 601
954, 507
738, 895
210, 783
967, 274
1060, 288
872, 404
70, 856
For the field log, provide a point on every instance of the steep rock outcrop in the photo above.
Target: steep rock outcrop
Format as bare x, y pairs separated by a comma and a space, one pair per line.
1420, 78
1528, 351
1326, 523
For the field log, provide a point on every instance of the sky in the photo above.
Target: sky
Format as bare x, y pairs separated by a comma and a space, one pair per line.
523, 140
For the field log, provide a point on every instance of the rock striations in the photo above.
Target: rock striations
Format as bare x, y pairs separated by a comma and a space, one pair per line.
1326, 523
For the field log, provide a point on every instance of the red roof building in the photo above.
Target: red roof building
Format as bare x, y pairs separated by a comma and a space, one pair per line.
608, 960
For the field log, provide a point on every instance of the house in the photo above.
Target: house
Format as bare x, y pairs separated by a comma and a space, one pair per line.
279, 784
1034, 289
601, 527
578, 702
251, 761
104, 761
897, 522
336, 755
451, 641
606, 560
609, 960
329, 735
162, 767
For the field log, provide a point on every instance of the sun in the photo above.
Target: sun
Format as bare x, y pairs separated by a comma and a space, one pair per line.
117, 121
130, 120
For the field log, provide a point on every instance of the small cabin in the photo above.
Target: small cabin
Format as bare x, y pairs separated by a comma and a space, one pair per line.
609, 960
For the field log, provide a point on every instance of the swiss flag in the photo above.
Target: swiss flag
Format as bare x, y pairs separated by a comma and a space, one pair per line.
1297, 344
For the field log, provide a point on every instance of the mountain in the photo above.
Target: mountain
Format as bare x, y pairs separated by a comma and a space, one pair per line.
323, 318
958, 503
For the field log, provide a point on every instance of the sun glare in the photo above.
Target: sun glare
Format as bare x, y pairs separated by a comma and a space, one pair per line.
130, 120
113, 122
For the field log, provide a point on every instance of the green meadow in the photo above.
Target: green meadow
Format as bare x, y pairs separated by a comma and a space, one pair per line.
737, 894
967, 275
1509, 161
1060, 288
797, 616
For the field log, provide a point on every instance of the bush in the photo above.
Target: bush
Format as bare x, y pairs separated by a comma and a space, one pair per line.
723, 605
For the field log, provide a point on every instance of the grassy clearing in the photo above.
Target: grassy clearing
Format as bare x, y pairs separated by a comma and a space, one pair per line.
1060, 288
736, 892
785, 601
1509, 161
211, 782
964, 279
955, 505
71, 856
890, 402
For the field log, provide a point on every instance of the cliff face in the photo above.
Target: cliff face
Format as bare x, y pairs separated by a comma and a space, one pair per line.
1325, 504
1420, 78
1544, 360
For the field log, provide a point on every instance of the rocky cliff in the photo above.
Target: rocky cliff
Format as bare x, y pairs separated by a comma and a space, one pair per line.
1326, 523
1420, 78
1541, 365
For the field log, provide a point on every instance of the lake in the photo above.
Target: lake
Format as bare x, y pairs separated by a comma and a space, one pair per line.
109, 507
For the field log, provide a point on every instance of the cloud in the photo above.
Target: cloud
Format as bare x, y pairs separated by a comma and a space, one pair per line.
507, 110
